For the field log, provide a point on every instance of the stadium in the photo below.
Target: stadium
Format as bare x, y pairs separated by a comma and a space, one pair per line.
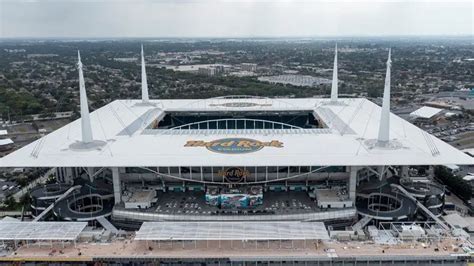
257, 161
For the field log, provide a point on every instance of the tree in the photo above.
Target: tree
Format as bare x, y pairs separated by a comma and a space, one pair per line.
373, 92
25, 200
9, 203
456, 184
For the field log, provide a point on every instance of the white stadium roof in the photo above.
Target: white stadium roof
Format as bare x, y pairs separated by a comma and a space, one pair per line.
231, 231
353, 125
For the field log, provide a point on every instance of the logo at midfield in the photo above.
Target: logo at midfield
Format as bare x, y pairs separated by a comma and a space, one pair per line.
234, 145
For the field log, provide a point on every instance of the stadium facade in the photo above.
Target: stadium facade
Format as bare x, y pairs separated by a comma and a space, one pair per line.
235, 158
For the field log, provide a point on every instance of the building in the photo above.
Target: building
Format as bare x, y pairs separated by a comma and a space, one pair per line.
211, 70
295, 80
469, 178
250, 67
5, 143
426, 113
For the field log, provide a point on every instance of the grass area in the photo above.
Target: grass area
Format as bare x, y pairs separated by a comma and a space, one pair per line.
11, 207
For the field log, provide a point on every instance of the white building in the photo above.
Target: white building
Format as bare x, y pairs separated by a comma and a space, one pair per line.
295, 80
426, 113
5, 143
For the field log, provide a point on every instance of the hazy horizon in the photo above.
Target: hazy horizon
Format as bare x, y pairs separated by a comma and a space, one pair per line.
106, 19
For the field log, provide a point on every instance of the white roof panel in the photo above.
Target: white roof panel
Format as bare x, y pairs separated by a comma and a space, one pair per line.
352, 125
3, 132
232, 231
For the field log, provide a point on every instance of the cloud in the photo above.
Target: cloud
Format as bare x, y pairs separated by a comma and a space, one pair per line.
230, 18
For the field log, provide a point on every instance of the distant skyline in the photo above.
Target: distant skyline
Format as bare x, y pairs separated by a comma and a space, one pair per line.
232, 18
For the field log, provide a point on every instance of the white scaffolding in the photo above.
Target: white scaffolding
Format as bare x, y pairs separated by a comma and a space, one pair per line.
40, 231
197, 231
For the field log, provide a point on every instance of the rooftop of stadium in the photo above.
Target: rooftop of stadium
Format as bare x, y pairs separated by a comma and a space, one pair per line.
310, 131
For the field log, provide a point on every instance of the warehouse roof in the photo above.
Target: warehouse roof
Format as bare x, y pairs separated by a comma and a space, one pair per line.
426, 112
5, 142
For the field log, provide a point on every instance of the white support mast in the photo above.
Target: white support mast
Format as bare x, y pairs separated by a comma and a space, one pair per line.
334, 88
384, 129
85, 116
145, 98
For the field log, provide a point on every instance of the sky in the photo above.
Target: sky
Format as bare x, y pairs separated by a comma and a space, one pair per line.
233, 18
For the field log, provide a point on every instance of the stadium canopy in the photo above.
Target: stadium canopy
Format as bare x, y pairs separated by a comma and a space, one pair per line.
346, 139
40, 231
188, 231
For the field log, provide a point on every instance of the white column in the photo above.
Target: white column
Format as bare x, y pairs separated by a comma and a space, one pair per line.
85, 117
404, 172
352, 182
334, 89
430, 171
116, 183
144, 81
90, 173
380, 170
68, 176
59, 175
384, 127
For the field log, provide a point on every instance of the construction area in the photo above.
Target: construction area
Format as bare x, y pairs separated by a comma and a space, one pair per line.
232, 242
127, 248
